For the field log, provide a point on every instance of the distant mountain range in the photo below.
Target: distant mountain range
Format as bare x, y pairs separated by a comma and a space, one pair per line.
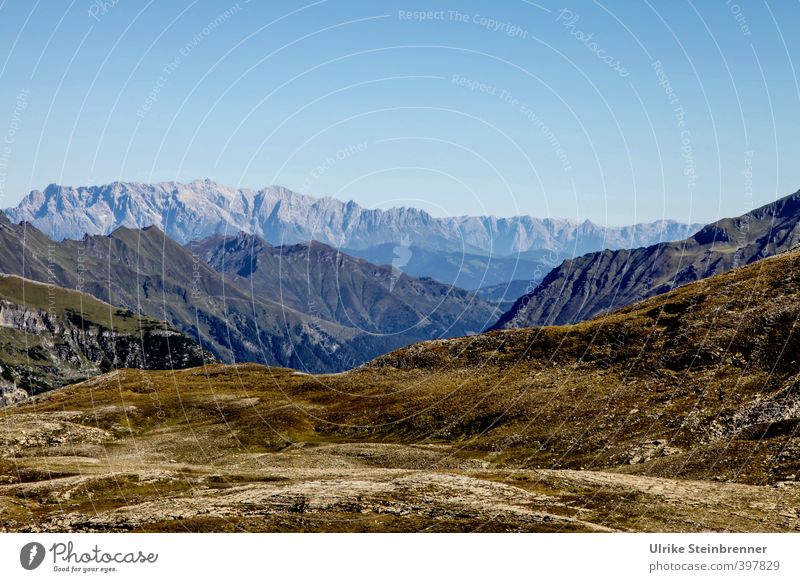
466, 270
200, 209
694, 390
321, 285
603, 281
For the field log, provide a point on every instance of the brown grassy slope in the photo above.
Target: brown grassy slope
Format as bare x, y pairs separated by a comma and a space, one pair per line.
698, 383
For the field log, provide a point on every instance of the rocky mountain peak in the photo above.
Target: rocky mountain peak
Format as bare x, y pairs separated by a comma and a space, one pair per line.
203, 208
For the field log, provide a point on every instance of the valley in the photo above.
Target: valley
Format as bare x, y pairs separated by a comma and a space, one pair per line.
679, 413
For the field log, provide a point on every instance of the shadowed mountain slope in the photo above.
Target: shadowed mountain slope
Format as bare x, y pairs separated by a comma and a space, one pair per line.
148, 273
466, 270
296, 319
600, 282
317, 279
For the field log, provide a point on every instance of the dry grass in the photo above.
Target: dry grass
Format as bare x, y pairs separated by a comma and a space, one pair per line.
677, 414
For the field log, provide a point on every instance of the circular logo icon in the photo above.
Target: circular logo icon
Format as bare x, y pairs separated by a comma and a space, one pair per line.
31, 555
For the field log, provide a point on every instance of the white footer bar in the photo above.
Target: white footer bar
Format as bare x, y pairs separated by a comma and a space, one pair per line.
389, 557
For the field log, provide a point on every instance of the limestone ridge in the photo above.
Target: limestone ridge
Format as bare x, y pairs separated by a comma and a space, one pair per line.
280, 216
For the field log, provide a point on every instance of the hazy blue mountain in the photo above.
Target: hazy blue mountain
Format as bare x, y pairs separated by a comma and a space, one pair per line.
504, 295
466, 270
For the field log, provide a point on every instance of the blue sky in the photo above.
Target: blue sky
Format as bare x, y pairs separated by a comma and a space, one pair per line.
617, 112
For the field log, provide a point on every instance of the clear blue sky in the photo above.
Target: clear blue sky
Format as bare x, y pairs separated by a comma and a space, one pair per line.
497, 108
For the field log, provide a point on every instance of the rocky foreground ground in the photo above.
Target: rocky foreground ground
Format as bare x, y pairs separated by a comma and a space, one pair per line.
76, 479
122, 468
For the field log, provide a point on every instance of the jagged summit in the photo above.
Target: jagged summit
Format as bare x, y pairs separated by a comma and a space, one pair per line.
203, 208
